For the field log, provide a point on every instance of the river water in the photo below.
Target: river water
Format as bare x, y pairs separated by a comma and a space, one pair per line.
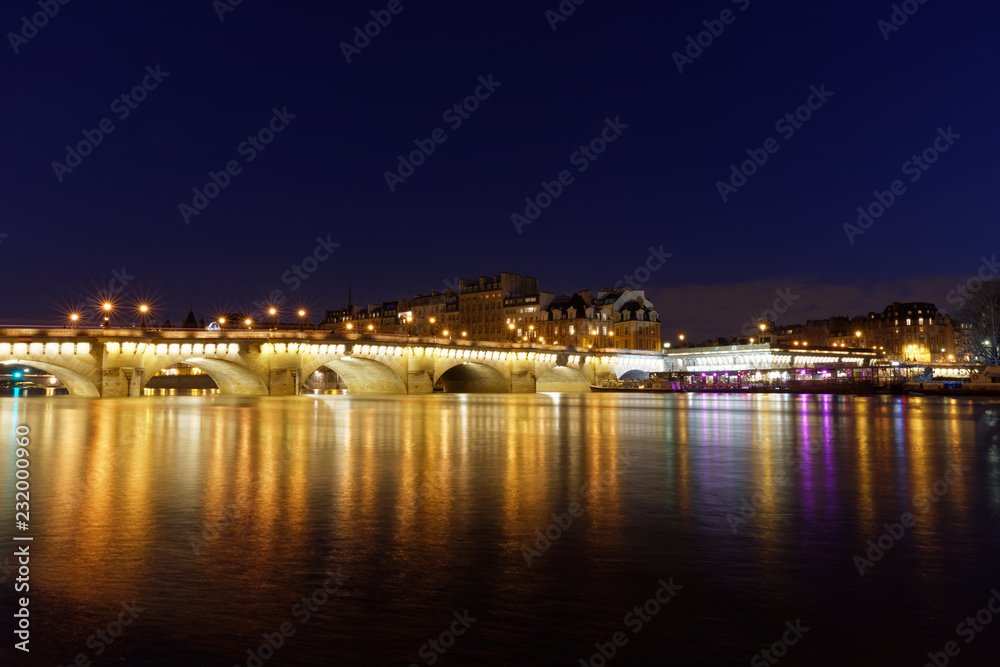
529, 529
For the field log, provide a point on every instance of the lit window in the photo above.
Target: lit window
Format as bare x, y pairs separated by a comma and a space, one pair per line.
908, 321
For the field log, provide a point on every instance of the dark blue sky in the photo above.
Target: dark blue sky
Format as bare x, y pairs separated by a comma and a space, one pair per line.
655, 185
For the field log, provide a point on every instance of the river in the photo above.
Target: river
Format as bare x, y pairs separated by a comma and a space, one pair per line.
531, 529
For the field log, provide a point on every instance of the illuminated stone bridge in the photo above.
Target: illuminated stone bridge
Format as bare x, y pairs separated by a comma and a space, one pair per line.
120, 362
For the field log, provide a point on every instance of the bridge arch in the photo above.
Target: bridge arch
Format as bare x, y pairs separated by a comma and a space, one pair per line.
231, 378
471, 377
366, 376
563, 379
77, 383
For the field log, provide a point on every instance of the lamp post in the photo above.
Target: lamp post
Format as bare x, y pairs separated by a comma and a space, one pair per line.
107, 307
248, 322
273, 312
302, 319
74, 318
143, 309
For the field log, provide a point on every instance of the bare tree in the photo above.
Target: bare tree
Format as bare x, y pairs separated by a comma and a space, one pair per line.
980, 316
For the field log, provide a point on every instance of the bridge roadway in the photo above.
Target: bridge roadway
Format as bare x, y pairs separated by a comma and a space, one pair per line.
120, 362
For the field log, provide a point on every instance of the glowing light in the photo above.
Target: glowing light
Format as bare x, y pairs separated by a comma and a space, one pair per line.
763, 326
302, 313
371, 327
433, 320
272, 311
464, 333
350, 326
248, 321
74, 317
107, 307
222, 320
445, 332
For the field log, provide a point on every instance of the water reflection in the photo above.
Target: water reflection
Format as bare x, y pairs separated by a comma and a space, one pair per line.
236, 504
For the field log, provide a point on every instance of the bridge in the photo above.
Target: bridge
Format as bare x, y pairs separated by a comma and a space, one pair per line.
114, 363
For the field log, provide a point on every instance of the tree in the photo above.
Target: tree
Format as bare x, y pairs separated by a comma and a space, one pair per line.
979, 319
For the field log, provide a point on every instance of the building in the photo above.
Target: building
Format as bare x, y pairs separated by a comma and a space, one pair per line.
636, 322
575, 321
525, 313
914, 332
481, 304
434, 313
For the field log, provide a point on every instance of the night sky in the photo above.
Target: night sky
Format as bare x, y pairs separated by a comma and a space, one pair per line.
67, 232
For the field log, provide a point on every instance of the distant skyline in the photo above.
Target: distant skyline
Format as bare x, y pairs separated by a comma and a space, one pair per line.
195, 156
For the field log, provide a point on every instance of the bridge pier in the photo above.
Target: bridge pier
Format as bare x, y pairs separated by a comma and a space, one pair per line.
419, 373
283, 382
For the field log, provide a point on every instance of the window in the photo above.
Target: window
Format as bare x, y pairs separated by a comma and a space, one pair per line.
908, 321
920, 321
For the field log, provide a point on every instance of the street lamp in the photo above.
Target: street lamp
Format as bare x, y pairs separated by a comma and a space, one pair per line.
74, 318
222, 322
302, 319
273, 312
248, 322
143, 309
107, 307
